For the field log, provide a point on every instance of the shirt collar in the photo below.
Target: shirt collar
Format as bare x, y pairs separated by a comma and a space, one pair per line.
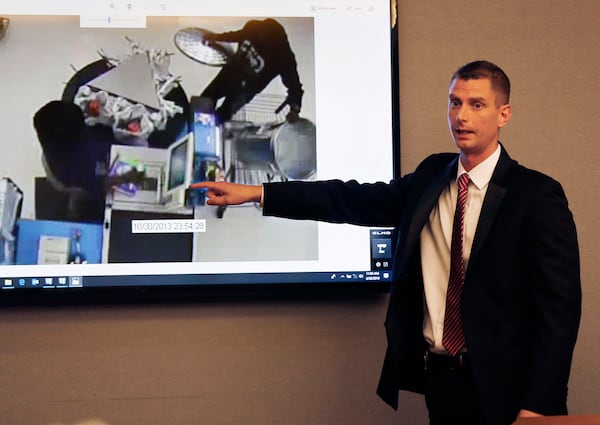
482, 174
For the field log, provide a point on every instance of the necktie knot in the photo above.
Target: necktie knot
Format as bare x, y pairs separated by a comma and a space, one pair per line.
463, 182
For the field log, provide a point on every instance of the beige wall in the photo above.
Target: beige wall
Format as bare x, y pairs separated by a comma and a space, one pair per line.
318, 362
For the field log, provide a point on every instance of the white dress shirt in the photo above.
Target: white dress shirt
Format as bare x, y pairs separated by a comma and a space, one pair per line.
436, 238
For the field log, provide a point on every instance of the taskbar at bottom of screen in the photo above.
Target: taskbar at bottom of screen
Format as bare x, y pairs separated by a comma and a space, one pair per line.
62, 282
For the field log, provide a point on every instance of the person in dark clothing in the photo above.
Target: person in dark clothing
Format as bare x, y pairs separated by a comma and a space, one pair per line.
263, 53
75, 159
74, 162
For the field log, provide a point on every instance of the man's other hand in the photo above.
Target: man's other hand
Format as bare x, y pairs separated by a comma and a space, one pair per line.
523, 413
133, 176
209, 39
294, 114
226, 193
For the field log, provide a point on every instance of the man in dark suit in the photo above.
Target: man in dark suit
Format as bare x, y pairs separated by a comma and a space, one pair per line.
498, 344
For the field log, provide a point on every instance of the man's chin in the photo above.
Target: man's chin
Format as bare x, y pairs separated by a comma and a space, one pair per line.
463, 144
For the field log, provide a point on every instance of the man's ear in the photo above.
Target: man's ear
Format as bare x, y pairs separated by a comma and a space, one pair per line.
504, 115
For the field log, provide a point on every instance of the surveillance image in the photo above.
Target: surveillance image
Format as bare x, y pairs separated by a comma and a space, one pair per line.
123, 120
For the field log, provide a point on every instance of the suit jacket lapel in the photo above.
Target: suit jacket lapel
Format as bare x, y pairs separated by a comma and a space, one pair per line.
426, 204
491, 204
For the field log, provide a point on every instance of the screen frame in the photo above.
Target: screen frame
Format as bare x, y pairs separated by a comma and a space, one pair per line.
216, 291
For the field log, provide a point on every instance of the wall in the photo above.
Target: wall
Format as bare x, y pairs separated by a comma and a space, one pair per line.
300, 362
233, 363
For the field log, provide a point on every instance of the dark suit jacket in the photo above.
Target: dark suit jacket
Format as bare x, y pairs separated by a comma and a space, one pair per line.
521, 301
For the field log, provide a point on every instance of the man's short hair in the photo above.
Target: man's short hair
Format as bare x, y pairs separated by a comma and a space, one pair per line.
483, 69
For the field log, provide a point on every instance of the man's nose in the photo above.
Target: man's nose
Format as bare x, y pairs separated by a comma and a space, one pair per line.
461, 114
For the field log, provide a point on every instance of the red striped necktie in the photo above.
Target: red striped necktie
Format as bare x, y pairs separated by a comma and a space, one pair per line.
453, 338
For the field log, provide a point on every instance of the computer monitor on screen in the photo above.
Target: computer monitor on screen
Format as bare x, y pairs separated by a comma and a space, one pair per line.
187, 91
179, 171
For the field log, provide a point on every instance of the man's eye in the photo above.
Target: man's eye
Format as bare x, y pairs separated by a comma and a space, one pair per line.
478, 105
454, 103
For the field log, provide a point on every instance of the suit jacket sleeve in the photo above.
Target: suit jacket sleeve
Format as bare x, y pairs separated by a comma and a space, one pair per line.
335, 201
556, 298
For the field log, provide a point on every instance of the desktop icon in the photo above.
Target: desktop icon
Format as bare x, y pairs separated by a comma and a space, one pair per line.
75, 281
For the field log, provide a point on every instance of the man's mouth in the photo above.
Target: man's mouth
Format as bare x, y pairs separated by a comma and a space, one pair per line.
463, 131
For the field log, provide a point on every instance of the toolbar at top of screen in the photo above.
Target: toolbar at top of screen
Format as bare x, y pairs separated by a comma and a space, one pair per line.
193, 7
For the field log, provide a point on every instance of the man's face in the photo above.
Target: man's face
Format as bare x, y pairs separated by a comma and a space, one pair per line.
475, 117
